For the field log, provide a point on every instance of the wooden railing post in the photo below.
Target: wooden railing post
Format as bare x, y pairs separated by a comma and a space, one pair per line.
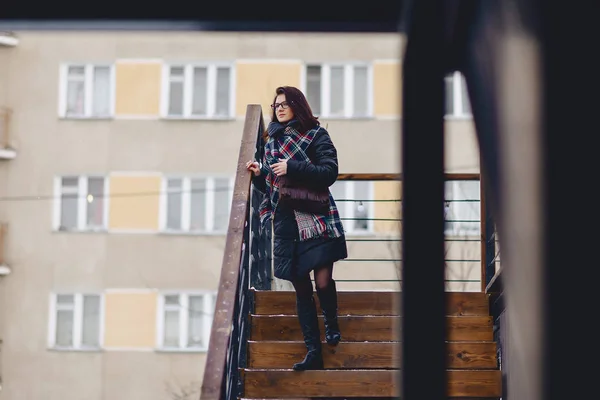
215, 372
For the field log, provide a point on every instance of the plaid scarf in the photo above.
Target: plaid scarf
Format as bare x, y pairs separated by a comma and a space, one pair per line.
287, 142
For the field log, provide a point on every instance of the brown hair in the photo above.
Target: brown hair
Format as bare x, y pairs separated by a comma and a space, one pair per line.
302, 111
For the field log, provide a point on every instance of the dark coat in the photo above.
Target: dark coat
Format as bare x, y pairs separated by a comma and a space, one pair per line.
292, 257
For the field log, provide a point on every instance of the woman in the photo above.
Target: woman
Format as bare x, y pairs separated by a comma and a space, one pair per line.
297, 146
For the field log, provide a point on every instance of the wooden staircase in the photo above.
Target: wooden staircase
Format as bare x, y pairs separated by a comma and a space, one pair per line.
365, 364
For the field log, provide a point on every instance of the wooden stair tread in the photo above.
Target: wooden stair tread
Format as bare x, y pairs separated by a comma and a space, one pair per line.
365, 364
364, 398
286, 383
366, 355
367, 328
267, 302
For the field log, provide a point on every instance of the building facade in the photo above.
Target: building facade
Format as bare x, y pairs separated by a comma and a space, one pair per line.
118, 153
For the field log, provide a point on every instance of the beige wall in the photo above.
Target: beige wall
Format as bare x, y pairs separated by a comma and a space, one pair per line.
138, 88
387, 88
257, 81
387, 190
461, 147
136, 142
134, 202
130, 320
4, 77
379, 145
163, 376
103, 376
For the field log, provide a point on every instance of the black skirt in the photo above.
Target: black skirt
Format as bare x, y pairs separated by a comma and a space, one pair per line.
294, 258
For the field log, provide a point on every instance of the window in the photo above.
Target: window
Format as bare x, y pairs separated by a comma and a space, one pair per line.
81, 203
196, 204
457, 98
86, 91
463, 210
356, 214
198, 91
342, 91
75, 321
185, 320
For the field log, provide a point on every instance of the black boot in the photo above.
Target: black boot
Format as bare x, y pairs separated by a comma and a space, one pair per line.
329, 305
307, 315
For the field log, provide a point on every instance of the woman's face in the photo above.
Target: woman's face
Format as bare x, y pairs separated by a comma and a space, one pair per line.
283, 111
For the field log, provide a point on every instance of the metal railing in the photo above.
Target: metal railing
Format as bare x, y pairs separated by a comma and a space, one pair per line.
247, 260
375, 258
495, 291
246, 264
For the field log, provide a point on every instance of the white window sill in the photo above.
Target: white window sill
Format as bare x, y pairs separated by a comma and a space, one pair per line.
343, 118
458, 234
180, 350
464, 117
197, 118
385, 236
192, 233
86, 118
84, 230
367, 233
8, 40
7, 154
76, 349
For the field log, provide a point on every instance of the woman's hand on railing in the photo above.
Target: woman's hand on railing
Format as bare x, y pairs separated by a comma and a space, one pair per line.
254, 167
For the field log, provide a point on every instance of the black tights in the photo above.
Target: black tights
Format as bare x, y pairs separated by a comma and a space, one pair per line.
304, 286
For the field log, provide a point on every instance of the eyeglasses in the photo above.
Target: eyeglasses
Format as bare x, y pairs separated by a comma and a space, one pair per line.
284, 105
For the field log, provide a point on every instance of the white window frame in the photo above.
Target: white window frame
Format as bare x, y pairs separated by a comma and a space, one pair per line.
348, 86
82, 191
88, 90
77, 322
188, 73
457, 228
457, 97
346, 208
186, 201
183, 307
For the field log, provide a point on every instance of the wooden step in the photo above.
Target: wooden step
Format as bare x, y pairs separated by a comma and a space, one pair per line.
367, 398
366, 355
264, 383
268, 302
366, 328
